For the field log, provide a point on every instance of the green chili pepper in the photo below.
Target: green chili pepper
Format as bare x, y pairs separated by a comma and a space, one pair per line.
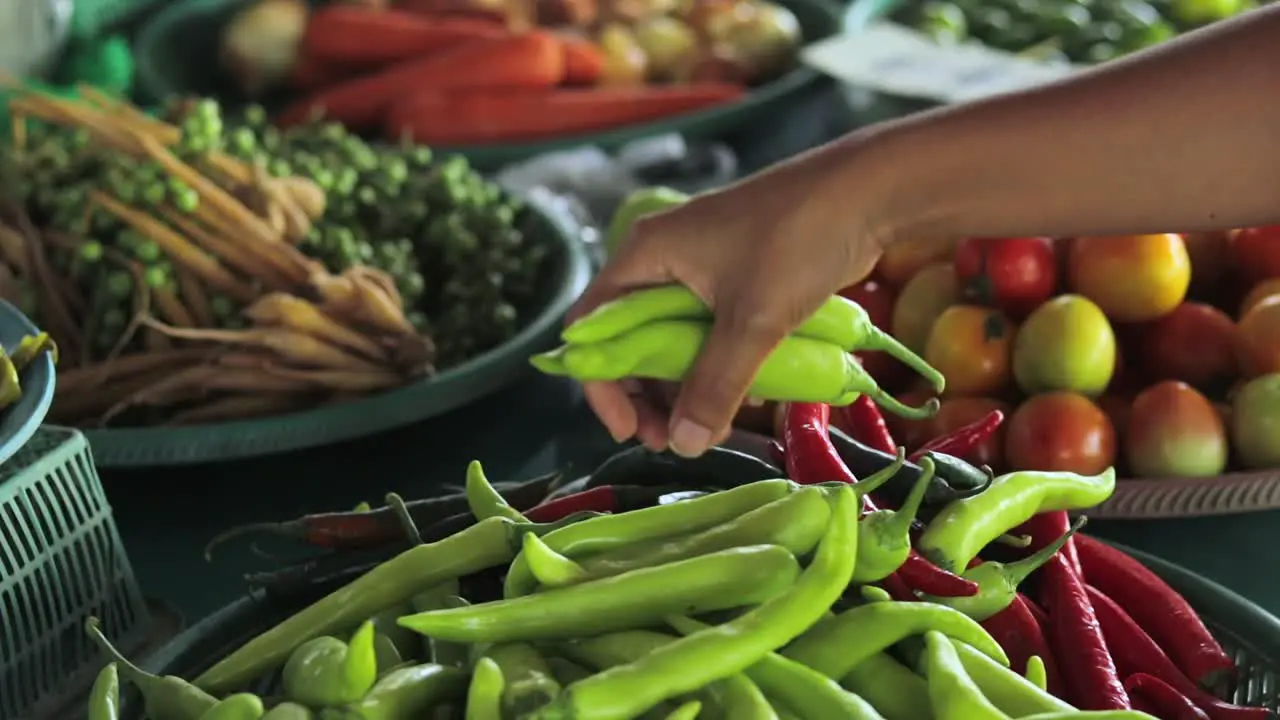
734, 698
439, 597
104, 697
566, 671
241, 706
838, 321
551, 569
484, 501
406, 644
891, 688
164, 698
687, 711
387, 654
484, 545
529, 682
836, 645
1008, 690
998, 582
484, 696
718, 652
326, 671
289, 711
800, 689
795, 522
31, 346
952, 694
1036, 673
10, 385
731, 578
884, 539
963, 527
410, 693
799, 369
604, 533
873, 594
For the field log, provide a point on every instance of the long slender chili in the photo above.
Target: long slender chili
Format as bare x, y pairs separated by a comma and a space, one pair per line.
1166, 701
811, 458
597, 499
1159, 609
1022, 636
963, 440
863, 421
1091, 680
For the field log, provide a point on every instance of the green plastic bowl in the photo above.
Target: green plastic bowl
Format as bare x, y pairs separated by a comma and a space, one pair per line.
176, 54
563, 281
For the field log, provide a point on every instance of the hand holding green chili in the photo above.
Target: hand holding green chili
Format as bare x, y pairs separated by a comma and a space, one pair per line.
484, 696
963, 527
952, 694
104, 696
164, 698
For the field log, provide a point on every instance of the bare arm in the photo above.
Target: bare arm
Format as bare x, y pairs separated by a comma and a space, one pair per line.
1184, 137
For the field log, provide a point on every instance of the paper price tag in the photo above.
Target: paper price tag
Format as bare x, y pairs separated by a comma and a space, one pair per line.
900, 61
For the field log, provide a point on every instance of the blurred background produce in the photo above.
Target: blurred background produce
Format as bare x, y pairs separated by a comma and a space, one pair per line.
1077, 31
472, 72
1157, 353
217, 267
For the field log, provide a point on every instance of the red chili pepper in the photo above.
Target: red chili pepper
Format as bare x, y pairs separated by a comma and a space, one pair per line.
1045, 528
863, 421
1164, 701
598, 499
898, 589
1158, 609
811, 458
961, 441
1021, 635
1135, 654
1090, 678
777, 455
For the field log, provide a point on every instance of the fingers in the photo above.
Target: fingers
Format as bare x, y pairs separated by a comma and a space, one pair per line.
715, 387
634, 264
627, 410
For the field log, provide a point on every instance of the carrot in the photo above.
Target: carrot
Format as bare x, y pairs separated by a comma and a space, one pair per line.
583, 61
534, 60
347, 36
495, 117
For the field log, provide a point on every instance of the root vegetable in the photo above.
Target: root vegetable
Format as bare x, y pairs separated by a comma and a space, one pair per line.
171, 308
280, 309
291, 345
195, 298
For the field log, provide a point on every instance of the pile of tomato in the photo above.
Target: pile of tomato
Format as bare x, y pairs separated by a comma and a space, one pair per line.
1157, 353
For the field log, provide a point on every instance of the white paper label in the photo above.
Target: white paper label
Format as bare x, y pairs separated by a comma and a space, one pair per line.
896, 60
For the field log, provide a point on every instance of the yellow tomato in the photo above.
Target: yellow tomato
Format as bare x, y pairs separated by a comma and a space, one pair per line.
1131, 277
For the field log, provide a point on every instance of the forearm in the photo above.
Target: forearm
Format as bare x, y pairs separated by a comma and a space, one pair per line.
1185, 137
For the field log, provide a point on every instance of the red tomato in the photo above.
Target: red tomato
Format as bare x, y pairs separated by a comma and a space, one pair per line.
1257, 252
1013, 274
1061, 431
1192, 344
877, 298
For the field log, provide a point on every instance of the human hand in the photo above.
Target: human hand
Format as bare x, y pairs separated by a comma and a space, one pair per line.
763, 254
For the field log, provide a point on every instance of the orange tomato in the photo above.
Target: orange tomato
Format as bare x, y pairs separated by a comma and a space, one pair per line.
1131, 277
1259, 292
956, 412
1258, 339
971, 347
921, 301
1060, 431
1192, 344
902, 260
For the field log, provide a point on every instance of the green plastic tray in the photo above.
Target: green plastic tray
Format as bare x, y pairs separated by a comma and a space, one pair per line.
1248, 632
564, 282
174, 51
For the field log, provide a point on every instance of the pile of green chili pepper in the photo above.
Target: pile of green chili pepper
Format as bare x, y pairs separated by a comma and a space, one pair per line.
752, 603
656, 334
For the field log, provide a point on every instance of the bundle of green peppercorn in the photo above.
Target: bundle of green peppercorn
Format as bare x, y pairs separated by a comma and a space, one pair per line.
119, 219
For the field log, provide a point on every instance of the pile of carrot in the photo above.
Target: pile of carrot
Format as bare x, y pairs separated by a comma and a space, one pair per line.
465, 81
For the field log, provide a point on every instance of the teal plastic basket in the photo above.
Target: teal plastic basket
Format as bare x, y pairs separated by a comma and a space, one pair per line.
61, 560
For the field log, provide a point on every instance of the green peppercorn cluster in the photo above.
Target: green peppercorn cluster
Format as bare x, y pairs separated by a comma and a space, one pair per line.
452, 241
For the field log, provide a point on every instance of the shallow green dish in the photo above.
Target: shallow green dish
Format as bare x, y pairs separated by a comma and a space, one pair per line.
566, 276
1249, 633
177, 51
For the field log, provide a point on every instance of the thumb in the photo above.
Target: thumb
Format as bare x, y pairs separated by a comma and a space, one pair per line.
716, 385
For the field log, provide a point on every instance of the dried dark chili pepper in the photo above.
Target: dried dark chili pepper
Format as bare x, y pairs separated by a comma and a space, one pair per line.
1021, 635
604, 499
1162, 699
1090, 679
1158, 609
863, 421
1135, 653
812, 458
963, 440
370, 528
863, 461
